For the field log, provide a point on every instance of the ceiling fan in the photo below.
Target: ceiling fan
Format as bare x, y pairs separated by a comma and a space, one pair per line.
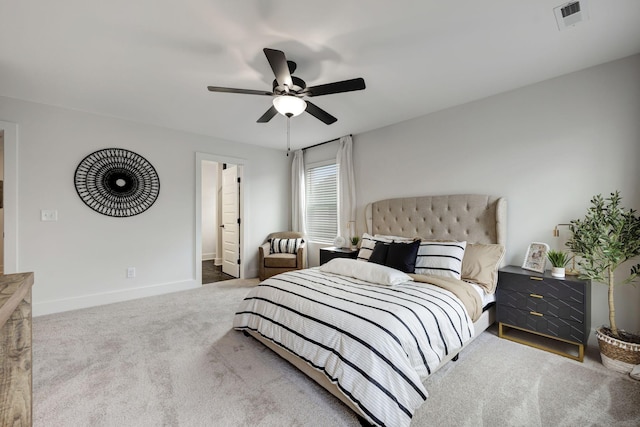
288, 91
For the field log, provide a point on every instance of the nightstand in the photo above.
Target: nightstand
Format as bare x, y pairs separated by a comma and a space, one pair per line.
531, 305
327, 254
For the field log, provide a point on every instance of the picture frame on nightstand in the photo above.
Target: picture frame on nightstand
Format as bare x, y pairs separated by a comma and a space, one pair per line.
536, 257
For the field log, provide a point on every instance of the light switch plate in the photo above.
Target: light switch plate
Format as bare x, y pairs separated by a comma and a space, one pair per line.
48, 215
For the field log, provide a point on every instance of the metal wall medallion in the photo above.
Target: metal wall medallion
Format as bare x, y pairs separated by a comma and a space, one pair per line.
117, 182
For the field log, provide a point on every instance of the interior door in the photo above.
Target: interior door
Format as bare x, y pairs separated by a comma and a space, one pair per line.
230, 221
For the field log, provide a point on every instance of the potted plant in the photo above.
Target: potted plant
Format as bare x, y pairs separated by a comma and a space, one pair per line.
606, 237
354, 241
558, 260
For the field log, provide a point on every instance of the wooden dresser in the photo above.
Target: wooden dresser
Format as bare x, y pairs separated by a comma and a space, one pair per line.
15, 350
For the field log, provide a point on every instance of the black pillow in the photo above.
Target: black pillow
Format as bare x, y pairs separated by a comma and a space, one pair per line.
402, 256
379, 253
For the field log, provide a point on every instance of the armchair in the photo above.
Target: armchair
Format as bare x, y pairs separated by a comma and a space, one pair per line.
271, 264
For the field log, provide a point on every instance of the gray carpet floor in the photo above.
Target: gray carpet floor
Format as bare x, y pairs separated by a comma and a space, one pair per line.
173, 360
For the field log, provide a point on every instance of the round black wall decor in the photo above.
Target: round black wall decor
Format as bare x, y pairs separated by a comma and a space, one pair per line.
117, 182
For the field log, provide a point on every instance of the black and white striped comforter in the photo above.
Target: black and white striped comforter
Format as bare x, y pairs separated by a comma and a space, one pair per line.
377, 343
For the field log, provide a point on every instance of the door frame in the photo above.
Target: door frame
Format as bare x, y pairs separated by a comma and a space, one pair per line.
10, 196
242, 164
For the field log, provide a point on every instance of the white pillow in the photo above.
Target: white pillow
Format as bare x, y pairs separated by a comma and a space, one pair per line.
367, 271
285, 246
440, 258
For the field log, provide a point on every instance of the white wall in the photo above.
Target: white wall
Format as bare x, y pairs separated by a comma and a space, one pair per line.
81, 259
548, 148
209, 210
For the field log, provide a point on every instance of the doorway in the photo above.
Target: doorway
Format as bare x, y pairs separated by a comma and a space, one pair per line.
219, 212
9, 137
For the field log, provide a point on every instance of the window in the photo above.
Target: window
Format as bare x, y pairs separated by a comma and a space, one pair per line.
322, 202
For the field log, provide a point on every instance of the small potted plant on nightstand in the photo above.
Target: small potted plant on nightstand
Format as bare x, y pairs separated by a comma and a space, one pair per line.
354, 242
559, 261
609, 235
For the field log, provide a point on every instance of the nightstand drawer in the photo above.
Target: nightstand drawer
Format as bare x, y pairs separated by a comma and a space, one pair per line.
540, 304
543, 286
538, 322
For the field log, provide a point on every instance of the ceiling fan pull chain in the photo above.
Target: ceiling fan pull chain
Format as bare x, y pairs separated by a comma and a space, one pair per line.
288, 134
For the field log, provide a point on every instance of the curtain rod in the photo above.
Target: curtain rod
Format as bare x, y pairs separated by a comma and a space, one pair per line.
322, 143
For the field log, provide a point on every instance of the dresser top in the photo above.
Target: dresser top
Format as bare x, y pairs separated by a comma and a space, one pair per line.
13, 288
547, 274
341, 250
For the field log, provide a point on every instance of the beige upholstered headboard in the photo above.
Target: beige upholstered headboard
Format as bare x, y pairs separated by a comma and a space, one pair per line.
464, 217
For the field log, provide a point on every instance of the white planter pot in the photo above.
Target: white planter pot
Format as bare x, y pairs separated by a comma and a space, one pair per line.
557, 271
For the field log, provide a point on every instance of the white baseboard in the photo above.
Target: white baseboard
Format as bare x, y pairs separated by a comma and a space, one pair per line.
74, 303
208, 256
218, 261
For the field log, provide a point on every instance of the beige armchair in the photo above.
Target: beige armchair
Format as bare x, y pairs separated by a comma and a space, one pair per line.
272, 264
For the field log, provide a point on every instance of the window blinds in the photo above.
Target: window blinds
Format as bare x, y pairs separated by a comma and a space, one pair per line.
322, 203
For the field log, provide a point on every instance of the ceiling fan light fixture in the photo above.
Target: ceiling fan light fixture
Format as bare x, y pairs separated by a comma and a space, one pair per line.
289, 105
288, 90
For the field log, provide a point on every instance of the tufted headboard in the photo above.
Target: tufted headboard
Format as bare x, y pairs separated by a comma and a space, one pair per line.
464, 217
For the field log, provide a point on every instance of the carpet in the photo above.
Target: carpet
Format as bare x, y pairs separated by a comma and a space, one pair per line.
173, 360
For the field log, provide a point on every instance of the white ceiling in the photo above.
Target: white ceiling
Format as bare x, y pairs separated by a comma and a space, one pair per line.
151, 60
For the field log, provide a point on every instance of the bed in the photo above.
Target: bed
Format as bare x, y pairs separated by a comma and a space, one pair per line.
371, 334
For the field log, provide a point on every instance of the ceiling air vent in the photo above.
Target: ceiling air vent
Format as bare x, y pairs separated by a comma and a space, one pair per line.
570, 14
570, 9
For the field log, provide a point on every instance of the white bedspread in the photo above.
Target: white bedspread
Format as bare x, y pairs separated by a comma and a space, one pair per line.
377, 343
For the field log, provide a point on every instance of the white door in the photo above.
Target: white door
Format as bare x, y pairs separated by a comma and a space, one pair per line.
230, 221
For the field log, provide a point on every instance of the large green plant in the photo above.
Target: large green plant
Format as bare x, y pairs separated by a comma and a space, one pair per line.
607, 236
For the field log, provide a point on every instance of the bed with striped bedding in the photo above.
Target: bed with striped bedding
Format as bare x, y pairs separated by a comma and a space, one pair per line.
377, 343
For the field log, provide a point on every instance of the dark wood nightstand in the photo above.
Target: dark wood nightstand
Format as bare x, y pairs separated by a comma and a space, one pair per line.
327, 254
535, 303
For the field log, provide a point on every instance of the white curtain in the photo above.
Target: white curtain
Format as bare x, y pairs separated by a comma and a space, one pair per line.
298, 193
346, 189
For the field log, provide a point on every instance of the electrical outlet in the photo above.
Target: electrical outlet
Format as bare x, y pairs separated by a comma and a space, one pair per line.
131, 272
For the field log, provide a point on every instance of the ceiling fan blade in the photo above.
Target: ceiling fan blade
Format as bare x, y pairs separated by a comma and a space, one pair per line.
337, 87
268, 115
279, 65
244, 91
320, 114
